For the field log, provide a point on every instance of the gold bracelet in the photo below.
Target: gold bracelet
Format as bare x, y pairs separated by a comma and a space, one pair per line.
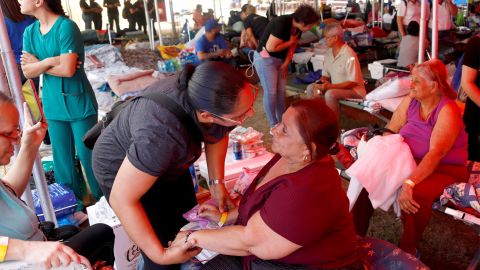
410, 183
3, 247
223, 219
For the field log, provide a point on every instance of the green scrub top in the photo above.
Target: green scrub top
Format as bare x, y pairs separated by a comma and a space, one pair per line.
64, 99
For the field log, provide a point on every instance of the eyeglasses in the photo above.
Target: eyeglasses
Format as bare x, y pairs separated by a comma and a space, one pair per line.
14, 136
240, 119
328, 37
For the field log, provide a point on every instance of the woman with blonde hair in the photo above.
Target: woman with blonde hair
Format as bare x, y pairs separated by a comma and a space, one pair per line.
431, 125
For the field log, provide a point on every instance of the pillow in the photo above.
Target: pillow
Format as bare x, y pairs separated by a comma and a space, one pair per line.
395, 87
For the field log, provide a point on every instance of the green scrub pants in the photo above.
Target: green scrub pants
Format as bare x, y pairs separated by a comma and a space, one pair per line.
66, 138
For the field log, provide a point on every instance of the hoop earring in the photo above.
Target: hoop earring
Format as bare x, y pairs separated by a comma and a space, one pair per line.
305, 158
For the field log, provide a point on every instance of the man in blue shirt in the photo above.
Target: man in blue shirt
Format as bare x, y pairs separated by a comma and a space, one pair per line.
212, 46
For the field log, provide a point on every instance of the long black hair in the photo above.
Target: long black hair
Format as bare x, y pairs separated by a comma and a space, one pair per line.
55, 6
11, 9
212, 86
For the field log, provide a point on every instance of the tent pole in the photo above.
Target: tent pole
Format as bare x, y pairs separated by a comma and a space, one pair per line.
423, 28
435, 29
148, 25
382, 3
172, 15
14, 80
159, 30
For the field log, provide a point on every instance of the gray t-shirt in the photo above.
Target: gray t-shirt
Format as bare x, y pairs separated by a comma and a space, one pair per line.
152, 138
18, 220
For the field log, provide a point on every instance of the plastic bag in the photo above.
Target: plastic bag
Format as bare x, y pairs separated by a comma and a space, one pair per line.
243, 182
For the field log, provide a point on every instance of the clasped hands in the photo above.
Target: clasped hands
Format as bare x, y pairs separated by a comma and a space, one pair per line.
185, 242
322, 86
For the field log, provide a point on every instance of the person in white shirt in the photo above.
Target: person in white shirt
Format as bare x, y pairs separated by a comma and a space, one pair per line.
388, 16
341, 76
446, 10
407, 11
408, 49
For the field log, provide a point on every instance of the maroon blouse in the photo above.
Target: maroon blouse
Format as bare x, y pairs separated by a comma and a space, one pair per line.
309, 208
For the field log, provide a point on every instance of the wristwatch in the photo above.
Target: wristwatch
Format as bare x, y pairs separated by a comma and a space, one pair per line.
214, 181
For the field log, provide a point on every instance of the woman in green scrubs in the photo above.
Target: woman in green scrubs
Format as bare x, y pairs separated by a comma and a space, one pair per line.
53, 46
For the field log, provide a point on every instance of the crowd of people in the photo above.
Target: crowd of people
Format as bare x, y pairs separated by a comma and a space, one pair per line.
294, 215
132, 11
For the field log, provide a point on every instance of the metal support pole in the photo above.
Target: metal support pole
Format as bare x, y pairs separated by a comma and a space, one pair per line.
159, 30
4, 88
152, 33
109, 33
373, 13
147, 21
435, 29
172, 15
321, 11
215, 8
69, 10
221, 12
382, 2
14, 81
423, 29
188, 29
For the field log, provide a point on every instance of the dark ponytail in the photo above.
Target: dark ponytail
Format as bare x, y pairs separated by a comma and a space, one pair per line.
213, 86
184, 77
55, 6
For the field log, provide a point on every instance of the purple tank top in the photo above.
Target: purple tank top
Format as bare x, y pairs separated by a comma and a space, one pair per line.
417, 133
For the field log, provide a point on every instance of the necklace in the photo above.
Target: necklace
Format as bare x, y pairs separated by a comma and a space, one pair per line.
423, 113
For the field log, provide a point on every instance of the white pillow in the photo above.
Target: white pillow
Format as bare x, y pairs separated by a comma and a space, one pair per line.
395, 87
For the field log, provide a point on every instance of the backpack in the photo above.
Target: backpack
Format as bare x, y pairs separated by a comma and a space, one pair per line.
161, 99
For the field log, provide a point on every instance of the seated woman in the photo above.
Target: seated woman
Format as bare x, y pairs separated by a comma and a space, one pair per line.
295, 212
430, 122
408, 49
20, 236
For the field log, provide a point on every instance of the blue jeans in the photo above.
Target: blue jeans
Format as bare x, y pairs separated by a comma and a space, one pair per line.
268, 70
89, 19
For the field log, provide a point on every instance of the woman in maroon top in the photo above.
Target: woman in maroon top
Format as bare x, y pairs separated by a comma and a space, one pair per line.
295, 212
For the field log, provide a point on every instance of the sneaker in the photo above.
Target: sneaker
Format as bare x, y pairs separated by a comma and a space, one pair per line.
79, 217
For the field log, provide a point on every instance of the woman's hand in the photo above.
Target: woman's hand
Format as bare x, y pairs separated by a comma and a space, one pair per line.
180, 250
220, 194
51, 254
322, 87
28, 58
209, 212
32, 134
405, 199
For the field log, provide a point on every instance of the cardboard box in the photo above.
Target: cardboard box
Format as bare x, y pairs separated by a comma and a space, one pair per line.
376, 68
125, 250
